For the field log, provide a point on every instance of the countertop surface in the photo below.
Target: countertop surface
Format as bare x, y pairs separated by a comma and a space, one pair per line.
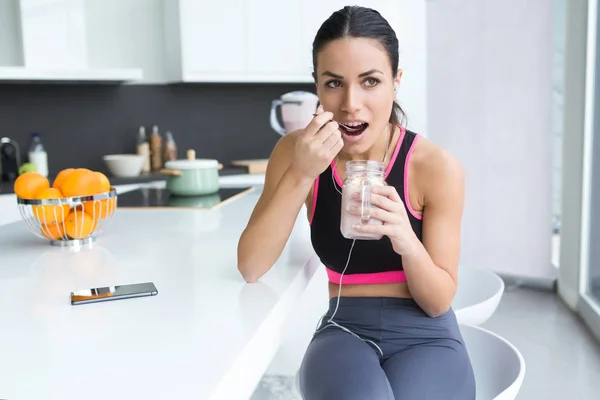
206, 333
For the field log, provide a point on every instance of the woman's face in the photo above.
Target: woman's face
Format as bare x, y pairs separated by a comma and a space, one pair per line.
355, 82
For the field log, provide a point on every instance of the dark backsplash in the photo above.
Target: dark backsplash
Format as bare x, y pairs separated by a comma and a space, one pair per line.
81, 123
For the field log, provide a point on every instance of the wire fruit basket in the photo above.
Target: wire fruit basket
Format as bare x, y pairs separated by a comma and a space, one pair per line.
69, 221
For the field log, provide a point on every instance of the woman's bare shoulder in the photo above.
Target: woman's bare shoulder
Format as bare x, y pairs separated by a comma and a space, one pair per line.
435, 167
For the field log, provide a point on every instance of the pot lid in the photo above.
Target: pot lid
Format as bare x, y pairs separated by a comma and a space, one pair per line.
192, 162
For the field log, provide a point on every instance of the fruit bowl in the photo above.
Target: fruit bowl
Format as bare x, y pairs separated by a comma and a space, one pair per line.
69, 221
73, 211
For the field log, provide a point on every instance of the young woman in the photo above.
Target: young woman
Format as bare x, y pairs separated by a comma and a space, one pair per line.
390, 332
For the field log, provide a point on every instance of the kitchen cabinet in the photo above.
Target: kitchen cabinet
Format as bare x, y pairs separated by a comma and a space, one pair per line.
127, 35
274, 43
242, 40
53, 33
47, 41
264, 40
158, 41
205, 40
234, 41
10, 47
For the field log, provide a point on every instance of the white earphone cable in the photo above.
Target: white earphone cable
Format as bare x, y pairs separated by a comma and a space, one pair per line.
330, 321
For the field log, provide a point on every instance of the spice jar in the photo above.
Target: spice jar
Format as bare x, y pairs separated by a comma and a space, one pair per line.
360, 177
156, 159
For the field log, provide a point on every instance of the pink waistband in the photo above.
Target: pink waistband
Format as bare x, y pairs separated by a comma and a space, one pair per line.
365, 279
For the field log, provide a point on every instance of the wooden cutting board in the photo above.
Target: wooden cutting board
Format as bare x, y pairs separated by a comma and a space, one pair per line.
258, 166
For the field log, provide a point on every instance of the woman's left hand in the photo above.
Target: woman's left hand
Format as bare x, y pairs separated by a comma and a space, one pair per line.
387, 207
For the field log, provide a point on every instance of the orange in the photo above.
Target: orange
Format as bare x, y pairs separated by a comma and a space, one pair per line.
60, 178
79, 224
53, 231
51, 213
81, 182
29, 184
104, 181
100, 209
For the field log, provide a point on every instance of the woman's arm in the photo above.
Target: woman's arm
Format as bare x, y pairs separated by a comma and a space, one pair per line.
298, 158
275, 213
431, 266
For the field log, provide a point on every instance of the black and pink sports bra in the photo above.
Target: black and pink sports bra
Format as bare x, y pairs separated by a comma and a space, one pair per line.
372, 261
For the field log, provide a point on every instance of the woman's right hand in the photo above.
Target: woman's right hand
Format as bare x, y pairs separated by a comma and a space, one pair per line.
317, 145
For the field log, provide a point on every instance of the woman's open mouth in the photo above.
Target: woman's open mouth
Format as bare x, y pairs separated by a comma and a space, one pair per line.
353, 128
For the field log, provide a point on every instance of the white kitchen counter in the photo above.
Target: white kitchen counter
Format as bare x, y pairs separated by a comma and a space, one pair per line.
9, 211
206, 335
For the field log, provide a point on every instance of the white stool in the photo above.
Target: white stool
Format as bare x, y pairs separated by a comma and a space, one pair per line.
499, 366
478, 295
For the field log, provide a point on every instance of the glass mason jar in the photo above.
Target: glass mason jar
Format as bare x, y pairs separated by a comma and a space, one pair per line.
360, 177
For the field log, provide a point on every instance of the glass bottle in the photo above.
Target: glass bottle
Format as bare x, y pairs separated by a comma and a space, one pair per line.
170, 148
37, 155
143, 148
360, 177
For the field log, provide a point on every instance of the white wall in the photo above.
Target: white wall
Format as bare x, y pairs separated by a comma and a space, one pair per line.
490, 103
411, 30
558, 96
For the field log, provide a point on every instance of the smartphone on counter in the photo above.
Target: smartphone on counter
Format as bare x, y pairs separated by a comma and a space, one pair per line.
109, 293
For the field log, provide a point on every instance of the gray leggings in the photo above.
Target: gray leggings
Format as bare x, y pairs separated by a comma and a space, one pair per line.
423, 358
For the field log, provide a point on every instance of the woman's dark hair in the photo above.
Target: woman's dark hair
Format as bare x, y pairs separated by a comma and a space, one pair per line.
360, 22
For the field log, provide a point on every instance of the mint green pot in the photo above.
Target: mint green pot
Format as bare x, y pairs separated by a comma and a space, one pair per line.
196, 177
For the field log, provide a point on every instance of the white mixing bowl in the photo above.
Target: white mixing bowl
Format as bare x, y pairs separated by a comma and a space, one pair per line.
124, 165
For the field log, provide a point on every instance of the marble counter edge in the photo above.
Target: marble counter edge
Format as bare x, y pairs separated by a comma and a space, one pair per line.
257, 355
